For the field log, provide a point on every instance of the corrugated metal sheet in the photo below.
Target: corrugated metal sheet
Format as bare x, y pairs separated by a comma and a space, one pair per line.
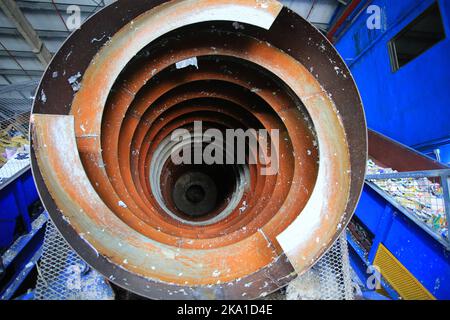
19, 64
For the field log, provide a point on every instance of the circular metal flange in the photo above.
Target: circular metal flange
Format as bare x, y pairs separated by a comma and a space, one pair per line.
112, 102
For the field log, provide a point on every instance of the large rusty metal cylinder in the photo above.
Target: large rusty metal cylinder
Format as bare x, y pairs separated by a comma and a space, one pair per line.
102, 140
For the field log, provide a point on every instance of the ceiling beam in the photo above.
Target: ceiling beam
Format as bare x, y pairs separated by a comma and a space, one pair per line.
18, 87
37, 5
41, 33
17, 54
19, 72
12, 11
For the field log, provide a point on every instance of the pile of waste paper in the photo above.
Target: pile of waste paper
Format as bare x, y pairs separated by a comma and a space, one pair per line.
421, 196
14, 152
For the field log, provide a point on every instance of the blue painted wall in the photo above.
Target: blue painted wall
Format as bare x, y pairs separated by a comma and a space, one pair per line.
411, 105
427, 259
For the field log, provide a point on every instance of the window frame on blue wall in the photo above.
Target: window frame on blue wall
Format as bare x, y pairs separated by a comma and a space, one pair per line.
392, 48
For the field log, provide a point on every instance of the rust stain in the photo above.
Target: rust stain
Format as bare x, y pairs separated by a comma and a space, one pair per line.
96, 163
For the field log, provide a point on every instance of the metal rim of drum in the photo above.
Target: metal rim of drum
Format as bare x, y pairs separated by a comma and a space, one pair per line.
316, 54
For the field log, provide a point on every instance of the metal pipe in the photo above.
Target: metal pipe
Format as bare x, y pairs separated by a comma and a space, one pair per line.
102, 143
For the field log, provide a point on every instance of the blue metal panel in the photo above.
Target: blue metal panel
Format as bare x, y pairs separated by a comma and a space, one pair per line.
360, 265
9, 213
427, 259
424, 257
370, 209
21, 258
410, 105
445, 154
21, 232
15, 201
29, 189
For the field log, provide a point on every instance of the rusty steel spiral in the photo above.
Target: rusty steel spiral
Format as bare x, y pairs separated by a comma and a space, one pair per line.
101, 141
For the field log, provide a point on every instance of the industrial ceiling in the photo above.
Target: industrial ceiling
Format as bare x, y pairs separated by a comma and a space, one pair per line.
31, 31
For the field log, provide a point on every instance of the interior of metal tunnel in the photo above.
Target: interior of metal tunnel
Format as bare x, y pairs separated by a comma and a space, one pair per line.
213, 157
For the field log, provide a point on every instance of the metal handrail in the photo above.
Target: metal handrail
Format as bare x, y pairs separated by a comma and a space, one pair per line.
443, 174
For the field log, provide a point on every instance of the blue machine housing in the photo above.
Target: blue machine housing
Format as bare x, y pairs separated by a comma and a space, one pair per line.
427, 259
16, 199
22, 229
411, 106
381, 220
